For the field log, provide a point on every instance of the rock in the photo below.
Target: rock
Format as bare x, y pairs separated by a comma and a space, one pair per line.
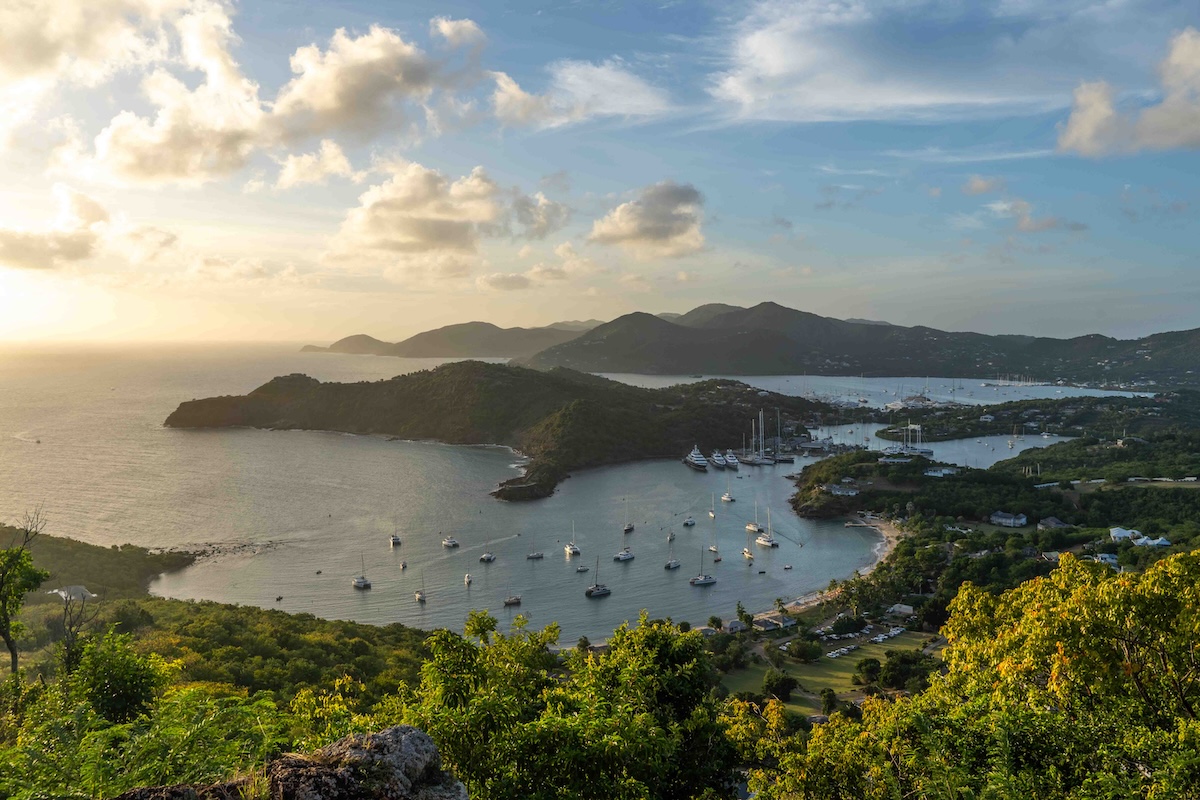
220, 791
399, 763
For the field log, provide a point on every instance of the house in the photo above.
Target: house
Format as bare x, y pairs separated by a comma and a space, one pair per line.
987, 418
1051, 556
735, 626
900, 610
1008, 520
894, 460
781, 620
1052, 523
1106, 558
940, 472
816, 719
1123, 534
1146, 541
706, 631
839, 490
766, 624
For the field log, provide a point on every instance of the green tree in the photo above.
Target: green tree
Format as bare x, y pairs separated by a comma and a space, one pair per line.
779, 684
18, 577
637, 721
829, 701
118, 682
868, 670
744, 616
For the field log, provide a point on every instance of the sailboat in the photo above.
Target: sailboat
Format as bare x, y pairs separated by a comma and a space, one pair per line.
467, 579
672, 562
754, 527
712, 511
570, 548
395, 538
512, 600
701, 579
767, 539
628, 525
597, 589
361, 582
488, 556
420, 593
746, 551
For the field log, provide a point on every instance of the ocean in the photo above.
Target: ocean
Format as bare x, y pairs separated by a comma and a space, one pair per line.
295, 515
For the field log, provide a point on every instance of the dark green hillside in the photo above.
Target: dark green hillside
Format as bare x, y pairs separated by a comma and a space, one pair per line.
563, 420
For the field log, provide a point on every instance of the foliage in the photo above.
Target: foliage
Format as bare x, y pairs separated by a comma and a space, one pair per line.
779, 684
116, 681
1080, 684
638, 720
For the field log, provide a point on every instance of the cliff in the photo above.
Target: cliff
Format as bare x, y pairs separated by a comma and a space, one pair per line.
562, 420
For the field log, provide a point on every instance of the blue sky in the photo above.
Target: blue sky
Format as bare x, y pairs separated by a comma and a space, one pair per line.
192, 169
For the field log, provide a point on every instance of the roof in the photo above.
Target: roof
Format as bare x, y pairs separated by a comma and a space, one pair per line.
74, 592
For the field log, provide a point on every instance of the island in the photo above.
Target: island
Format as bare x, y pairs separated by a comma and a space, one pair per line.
560, 419
465, 340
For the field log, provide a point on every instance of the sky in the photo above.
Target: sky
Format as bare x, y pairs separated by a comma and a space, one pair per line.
277, 170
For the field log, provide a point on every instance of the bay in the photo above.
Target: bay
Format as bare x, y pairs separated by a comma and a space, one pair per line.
81, 433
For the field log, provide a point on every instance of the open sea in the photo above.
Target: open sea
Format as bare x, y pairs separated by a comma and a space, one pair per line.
295, 515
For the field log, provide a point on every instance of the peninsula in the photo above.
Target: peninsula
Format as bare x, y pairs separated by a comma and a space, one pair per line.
561, 419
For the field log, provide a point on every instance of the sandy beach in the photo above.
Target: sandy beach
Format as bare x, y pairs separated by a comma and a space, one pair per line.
891, 537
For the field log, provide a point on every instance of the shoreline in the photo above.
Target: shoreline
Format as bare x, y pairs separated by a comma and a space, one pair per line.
891, 537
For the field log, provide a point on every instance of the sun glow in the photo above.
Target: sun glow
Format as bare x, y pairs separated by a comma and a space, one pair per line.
35, 305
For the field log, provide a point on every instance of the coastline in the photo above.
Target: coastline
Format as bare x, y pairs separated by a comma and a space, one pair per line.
891, 537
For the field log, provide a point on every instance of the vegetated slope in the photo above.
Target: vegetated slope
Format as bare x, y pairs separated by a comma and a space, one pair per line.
466, 340
562, 420
771, 339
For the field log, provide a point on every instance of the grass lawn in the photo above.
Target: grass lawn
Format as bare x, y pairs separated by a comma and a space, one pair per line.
834, 673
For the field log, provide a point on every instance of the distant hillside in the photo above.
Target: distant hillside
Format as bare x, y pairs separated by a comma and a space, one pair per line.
466, 340
771, 339
562, 420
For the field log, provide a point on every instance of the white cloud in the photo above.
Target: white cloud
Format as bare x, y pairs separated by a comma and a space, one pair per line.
73, 236
685, 277
457, 32
1022, 211
1096, 127
573, 263
539, 215
328, 161
663, 222
637, 283
924, 60
504, 281
196, 135
578, 90
977, 184
420, 222
356, 85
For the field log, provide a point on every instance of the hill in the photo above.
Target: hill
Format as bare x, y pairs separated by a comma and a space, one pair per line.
772, 339
561, 419
466, 340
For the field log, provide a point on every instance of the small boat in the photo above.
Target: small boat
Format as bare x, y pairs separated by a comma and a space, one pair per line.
534, 556
748, 553
696, 460
762, 572
487, 557
717, 560
625, 555
754, 527
403, 565
319, 572
787, 566
728, 498
449, 541
597, 589
701, 579
467, 579
395, 540
512, 600
671, 536
689, 522
361, 582
712, 548
278, 597
672, 564
582, 568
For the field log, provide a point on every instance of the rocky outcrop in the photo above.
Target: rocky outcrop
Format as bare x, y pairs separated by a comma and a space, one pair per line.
400, 763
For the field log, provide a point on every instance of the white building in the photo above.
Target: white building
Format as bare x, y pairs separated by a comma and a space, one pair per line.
1009, 520
987, 418
1146, 541
1123, 534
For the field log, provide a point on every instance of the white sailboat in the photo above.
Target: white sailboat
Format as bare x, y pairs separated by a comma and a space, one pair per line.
754, 527
767, 539
712, 510
628, 528
488, 556
419, 594
672, 561
570, 548
597, 589
701, 578
361, 582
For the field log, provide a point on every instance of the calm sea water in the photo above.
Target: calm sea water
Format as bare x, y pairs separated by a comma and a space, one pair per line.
81, 432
